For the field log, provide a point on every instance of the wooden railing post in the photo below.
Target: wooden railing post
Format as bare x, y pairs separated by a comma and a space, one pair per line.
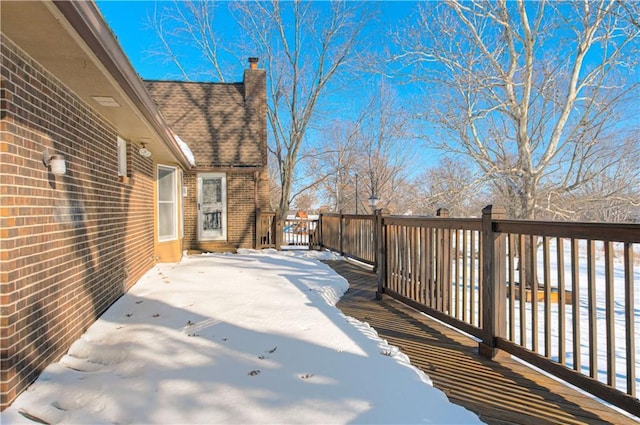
445, 263
258, 239
380, 250
319, 232
442, 213
341, 233
494, 289
376, 239
278, 229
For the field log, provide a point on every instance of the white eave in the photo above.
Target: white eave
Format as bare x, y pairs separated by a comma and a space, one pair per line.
88, 22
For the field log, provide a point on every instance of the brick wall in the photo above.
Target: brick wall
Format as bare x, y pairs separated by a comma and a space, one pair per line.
241, 216
70, 245
264, 202
241, 208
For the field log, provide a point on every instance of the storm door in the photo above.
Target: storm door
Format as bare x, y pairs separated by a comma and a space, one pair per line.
212, 206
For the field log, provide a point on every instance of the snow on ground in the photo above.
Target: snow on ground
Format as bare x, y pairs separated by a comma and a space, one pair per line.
253, 337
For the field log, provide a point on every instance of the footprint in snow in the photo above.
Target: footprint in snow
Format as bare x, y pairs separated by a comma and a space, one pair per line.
273, 350
46, 414
79, 365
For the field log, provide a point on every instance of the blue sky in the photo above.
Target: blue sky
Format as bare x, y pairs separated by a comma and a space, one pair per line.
129, 22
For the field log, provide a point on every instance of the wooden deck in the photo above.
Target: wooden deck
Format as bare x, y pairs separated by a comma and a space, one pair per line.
501, 391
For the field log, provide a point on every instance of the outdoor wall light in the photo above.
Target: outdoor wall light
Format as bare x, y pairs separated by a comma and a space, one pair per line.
55, 163
144, 152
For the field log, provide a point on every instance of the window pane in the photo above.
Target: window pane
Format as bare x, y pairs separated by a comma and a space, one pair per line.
166, 220
212, 220
166, 185
212, 190
167, 204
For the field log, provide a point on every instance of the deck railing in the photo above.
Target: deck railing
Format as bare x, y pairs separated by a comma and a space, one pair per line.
350, 235
271, 232
299, 232
436, 266
561, 296
265, 229
571, 306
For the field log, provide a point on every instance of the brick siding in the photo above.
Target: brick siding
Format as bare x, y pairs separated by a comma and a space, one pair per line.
225, 125
241, 209
70, 245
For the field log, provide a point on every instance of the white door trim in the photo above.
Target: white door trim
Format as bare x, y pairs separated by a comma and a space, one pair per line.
212, 213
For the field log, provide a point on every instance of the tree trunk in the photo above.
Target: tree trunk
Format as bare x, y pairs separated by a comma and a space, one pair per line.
527, 212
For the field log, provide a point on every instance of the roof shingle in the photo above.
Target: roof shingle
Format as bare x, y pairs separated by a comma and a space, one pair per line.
222, 128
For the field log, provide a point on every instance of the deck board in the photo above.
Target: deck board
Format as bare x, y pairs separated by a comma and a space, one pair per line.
500, 391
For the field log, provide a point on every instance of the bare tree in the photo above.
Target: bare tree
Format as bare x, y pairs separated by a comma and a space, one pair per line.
532, 93
335, 167
385, 148
612, 195
274, 187
188, 27
305, 202
451, 185
376, 148
305, 46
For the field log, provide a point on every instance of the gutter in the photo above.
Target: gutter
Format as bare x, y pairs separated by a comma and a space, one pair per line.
88, 22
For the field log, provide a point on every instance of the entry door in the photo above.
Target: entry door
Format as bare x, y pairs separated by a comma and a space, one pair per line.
212, 206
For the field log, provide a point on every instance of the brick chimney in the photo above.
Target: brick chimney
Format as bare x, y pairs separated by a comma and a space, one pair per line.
254, 82
255, 98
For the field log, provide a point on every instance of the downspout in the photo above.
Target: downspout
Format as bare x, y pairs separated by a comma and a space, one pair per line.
255, 209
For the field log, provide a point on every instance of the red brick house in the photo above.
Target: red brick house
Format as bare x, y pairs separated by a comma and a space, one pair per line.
95, 187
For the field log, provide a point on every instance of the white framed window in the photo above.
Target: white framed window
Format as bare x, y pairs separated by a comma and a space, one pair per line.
167, 203
122, 157
182, 194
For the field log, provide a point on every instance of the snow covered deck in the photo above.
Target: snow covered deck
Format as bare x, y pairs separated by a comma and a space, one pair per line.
500, 391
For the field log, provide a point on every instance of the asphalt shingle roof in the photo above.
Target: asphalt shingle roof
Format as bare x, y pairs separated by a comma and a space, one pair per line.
220, 127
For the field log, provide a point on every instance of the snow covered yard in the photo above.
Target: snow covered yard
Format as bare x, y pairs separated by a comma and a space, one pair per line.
253, 337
